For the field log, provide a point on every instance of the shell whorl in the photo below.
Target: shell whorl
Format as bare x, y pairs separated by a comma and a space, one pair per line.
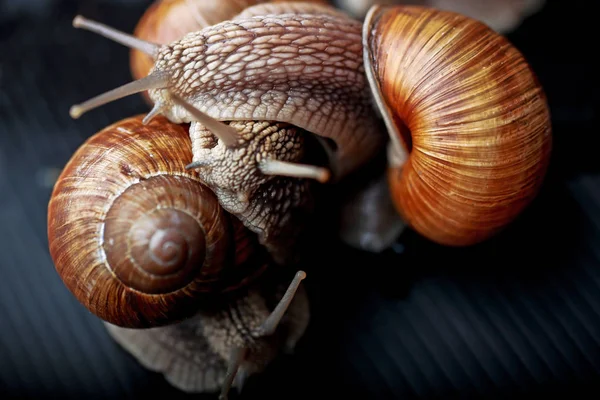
134, 236
469, 108
166, 21
153, 238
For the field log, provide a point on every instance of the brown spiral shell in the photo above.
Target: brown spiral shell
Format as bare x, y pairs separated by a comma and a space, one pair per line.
135, 237
470, 111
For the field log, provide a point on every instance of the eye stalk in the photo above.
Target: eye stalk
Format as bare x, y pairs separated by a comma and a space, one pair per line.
120, 37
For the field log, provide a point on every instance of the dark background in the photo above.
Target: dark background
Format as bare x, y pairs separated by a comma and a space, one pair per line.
517, 315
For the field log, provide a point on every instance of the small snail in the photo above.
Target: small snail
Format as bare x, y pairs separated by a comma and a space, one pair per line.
137, 238
220, 348
469, 124
258, 90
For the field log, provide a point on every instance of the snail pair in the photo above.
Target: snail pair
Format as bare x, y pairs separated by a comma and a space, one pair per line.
463, 118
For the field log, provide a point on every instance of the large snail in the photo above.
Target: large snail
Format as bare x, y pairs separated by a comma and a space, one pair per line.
141, 242
280, 82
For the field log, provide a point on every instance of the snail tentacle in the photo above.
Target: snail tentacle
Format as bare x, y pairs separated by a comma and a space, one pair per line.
271, 323
235, 362
224, 132
120, 37
155, 80
295, 170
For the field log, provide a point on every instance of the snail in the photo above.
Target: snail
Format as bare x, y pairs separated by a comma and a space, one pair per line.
179, 283
468, 120
221, 348
258, 91
139, 240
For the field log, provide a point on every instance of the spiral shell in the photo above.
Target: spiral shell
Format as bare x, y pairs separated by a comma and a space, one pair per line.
135, 237
467, 106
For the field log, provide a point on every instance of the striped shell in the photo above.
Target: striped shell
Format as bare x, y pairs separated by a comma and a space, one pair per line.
469, 121
138, 239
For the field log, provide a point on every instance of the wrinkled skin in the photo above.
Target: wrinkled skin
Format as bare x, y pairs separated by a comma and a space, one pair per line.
271, 206
194, 354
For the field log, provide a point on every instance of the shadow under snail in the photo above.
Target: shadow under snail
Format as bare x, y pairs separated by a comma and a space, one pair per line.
144, 245
467, 121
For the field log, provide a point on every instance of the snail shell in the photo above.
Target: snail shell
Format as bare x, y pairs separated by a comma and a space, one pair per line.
138, 239
468, 120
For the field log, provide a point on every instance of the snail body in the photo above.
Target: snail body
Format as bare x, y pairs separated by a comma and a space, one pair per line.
219, 348
469, 124
139, 240
255, 88
168, 20
311, 77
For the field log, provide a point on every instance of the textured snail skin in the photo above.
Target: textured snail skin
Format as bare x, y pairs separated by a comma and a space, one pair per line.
168, 20
312, 77
193, 354
473, 116
275, 208
135, 237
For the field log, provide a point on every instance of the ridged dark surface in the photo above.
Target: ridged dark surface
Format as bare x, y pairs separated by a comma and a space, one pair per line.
517, 315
